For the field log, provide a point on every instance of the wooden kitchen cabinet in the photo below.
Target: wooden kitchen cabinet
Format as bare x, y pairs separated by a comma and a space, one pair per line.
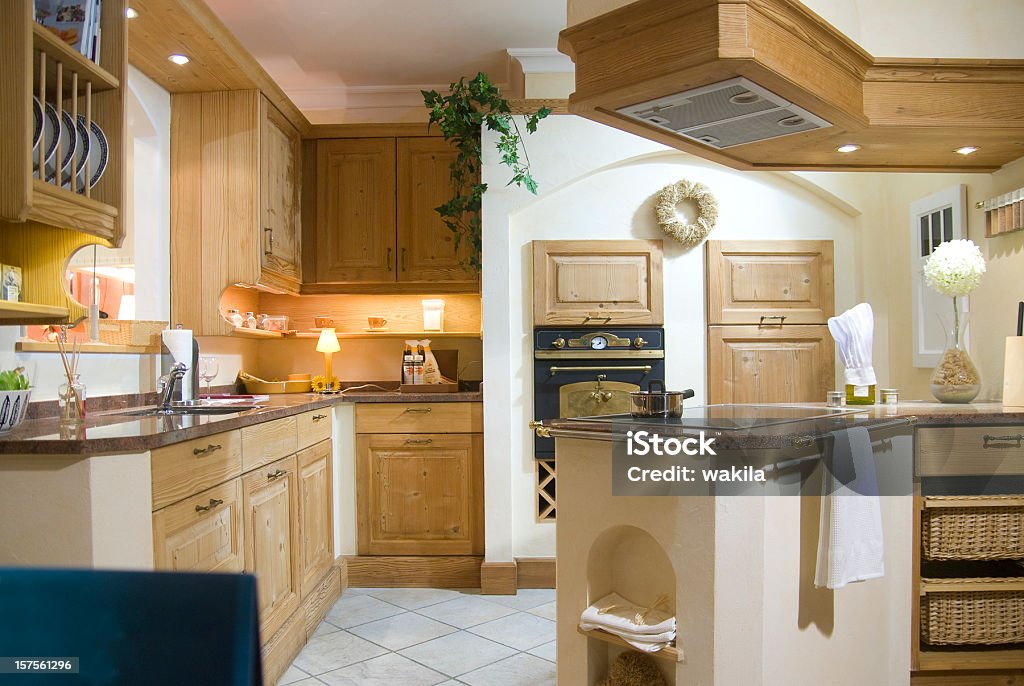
769, 364
202, 533
280, 192
613, 283
420, 494
316, 512
270, 507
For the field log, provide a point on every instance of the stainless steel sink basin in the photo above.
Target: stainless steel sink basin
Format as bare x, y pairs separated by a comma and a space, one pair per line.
190, 411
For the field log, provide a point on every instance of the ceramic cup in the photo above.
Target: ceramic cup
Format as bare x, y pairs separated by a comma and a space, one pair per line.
322, 322
376, 322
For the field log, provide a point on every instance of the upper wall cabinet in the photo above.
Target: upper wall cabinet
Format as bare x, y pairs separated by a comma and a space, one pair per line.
614, 283
234, 202
375, 221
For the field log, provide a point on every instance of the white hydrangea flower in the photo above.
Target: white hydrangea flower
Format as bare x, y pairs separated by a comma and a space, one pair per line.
955, 268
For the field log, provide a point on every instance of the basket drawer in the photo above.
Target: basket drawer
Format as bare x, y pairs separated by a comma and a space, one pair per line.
973, 527
973, 617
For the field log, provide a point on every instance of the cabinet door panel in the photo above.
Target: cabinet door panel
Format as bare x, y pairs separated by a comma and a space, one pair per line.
754, 281
270, 534
771, 364
597, 282
315, 511
202, 533
355, 231
280, 183
420, 494
426, 247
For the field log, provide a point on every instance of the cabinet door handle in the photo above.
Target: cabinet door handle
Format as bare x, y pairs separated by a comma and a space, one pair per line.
212, 448
1018, 439
276, 474
268, 234
418, 410
419, 441
318, 417
214, 502
405, 260
389, 259
780, 317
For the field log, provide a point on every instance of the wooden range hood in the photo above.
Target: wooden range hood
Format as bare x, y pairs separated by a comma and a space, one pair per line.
905, 114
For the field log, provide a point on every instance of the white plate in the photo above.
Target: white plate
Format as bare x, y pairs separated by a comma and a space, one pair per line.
81, 155
46, 135
68, 140
97, 154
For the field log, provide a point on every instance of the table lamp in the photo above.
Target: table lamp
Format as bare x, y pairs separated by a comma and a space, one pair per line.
328, 345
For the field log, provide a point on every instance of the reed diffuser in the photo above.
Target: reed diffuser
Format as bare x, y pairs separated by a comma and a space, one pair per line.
71, 393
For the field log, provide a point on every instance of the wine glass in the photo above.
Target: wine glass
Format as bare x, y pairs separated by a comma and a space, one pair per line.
208, 368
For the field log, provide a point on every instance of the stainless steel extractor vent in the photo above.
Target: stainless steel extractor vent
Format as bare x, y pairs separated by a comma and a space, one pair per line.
725, 114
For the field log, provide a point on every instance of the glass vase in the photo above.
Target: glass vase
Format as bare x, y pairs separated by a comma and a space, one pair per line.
956, 378
71, 401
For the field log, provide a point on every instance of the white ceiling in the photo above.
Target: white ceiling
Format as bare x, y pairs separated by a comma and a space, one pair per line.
324, 52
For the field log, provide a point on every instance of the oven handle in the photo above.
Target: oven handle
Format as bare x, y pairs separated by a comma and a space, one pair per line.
645, 368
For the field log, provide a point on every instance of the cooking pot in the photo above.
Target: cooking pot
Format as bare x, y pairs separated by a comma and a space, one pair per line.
658, 403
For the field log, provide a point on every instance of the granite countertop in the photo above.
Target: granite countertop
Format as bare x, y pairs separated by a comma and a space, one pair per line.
112, 431
777, 430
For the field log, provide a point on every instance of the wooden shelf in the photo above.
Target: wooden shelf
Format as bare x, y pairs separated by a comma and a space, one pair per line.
47, 42
100, 348
19, 311
431, 335
58, 206
670, 652
987, 658
245, 332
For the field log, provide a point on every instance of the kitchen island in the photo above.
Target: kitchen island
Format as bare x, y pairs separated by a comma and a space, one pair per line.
740, 570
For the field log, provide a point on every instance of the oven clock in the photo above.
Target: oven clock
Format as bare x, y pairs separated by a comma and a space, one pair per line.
598, 343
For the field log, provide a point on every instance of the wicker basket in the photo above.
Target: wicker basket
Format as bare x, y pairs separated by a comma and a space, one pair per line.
131, 332
973, 617
951, 529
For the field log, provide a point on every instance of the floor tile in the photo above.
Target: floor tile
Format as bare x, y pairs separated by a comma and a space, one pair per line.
518, 670
360, 609
333, 651
401, 631
466, 611
310, 681
452, 682
459, 653
292, 675
547, 611
546, 651
414, 598
324, 629
384, 671
521, 631
525, 599
352, 590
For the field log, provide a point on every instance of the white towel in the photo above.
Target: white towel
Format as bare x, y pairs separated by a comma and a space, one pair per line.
614, 614
665, 637
850, 542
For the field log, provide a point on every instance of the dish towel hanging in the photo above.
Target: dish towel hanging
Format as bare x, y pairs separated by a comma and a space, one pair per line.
851, 546
645, 628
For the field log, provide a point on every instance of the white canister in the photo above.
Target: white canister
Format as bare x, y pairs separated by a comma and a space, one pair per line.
433, 315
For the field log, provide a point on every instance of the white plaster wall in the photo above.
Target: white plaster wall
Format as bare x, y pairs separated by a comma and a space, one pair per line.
600, 183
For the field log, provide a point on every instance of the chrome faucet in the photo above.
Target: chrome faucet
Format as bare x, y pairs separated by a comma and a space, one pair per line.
168, 381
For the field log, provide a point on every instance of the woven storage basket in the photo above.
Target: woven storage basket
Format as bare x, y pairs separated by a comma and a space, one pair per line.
130, 331
973, 617
959, 532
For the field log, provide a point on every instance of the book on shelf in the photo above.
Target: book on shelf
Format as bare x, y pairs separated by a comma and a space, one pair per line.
76, 22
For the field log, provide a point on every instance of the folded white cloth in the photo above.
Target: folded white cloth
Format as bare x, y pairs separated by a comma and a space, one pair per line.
615, 614
851, 546
664, 637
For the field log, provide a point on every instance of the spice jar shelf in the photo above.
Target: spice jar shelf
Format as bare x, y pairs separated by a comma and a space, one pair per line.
56, 50
21, 311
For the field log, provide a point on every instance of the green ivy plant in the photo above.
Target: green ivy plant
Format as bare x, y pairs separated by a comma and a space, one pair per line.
461, 115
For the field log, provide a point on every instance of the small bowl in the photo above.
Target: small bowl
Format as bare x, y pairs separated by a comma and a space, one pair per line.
13, 407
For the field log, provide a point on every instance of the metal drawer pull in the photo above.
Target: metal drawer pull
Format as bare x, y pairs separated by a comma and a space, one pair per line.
1002, 439
214, 502
213, 447
418, 410
276, 475
318, 417
419, 441
780, 317
269, 234
645, 368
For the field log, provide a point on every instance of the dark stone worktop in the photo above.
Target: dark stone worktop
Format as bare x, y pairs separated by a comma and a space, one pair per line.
111, 432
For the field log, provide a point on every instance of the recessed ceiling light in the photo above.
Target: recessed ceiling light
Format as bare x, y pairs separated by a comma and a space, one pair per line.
179, 59
966, 150
130, 13
849, 147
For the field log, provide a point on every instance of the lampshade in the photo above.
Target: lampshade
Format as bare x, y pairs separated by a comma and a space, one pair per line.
328, 342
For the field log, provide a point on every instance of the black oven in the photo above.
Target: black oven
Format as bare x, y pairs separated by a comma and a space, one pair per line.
588, 372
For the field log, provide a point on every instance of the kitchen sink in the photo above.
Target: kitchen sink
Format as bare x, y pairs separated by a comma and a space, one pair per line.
189, 411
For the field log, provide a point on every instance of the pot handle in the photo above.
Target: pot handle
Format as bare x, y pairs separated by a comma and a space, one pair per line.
655, 383
688, 393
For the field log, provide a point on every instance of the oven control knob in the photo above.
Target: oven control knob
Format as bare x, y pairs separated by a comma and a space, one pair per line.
558, 343
639, 342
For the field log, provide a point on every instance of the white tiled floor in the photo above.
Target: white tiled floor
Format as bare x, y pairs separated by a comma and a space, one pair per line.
428, 637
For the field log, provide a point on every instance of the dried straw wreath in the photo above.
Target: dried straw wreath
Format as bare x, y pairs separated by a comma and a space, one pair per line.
668, 217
